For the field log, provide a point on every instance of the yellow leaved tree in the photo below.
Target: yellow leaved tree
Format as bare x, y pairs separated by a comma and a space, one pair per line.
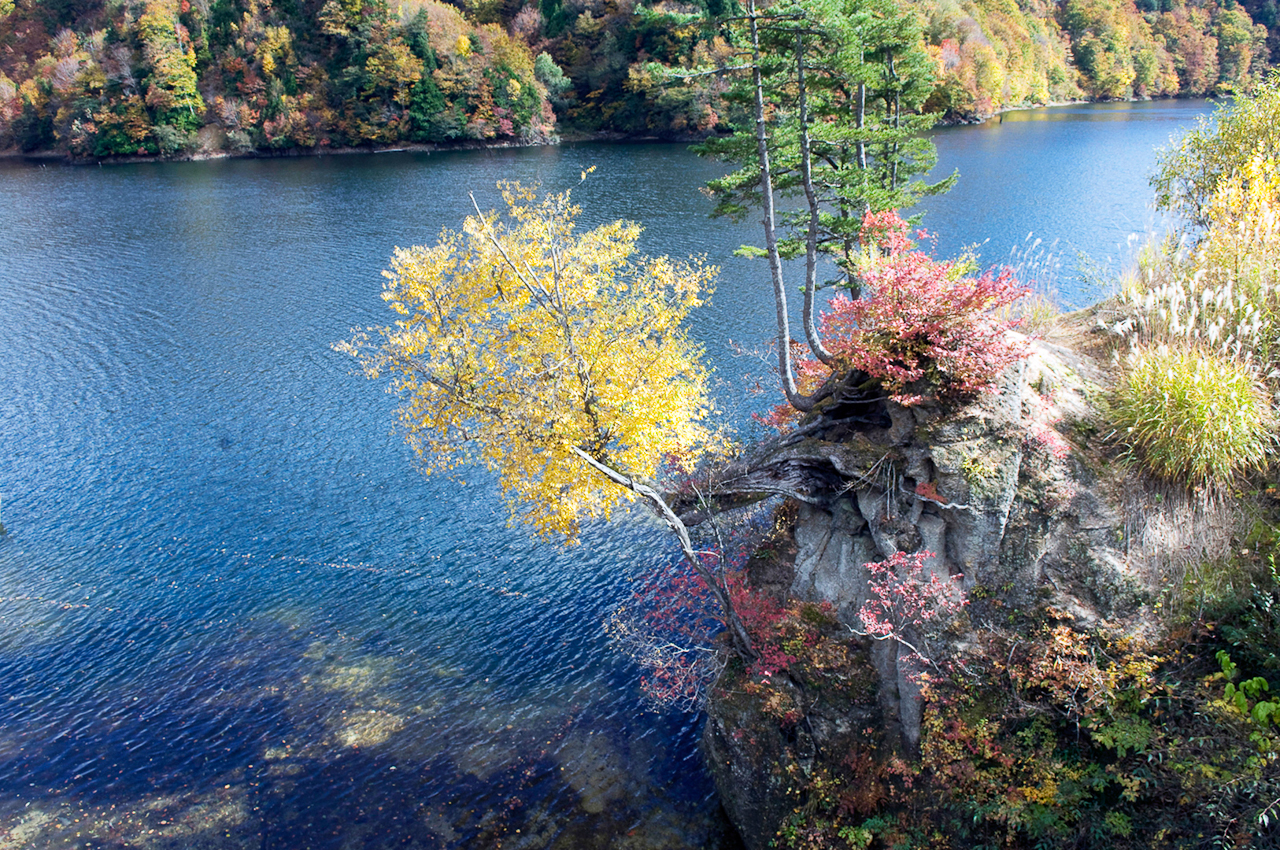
556, 359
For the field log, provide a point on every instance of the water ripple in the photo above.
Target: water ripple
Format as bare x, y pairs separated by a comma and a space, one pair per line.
231, 612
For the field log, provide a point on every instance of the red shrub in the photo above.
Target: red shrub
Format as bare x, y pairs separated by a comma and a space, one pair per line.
923, 328
923, 319
906, 594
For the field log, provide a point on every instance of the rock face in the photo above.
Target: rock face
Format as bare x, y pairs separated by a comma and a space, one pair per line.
749, 761
1009, 492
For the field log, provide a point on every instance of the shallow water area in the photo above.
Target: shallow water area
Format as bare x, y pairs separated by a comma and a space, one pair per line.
286, 730
232, 614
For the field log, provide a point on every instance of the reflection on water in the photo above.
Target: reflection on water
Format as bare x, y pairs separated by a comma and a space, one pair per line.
1145, 111
232, 614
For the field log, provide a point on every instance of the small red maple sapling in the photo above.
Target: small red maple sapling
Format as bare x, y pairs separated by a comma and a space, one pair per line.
907, 596
668, 625
665, 628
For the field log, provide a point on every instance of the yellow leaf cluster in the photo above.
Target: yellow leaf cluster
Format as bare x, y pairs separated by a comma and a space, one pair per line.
276, 46
1251, 192
521, 341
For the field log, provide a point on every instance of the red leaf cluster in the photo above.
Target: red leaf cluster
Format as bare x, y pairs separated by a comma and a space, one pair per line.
923, 328
923, 320
905, 594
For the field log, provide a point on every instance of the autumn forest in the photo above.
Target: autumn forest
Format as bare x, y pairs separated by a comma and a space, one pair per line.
113, 78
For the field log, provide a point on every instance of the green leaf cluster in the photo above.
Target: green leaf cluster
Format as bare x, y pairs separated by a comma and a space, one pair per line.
1192, 171
866, 76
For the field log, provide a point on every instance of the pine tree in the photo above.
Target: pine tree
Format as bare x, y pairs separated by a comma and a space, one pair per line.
834, 92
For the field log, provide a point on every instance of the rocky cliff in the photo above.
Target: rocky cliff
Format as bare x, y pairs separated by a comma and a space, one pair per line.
1018, 500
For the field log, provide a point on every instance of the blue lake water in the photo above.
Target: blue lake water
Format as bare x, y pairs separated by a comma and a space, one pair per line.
232, 614
1075, 175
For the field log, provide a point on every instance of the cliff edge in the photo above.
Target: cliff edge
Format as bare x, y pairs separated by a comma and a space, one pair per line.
1059, 552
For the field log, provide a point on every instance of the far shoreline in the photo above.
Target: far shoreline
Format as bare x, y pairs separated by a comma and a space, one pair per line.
12, 154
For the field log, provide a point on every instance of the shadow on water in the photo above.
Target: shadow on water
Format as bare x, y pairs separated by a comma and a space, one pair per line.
235, 748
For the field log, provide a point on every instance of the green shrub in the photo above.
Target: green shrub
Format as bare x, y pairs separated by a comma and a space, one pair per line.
171, 139
1191, 171
1192, 416
1254, 630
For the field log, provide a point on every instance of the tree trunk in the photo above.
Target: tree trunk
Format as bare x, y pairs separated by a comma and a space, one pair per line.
811, 237
785, 371
897, 123
860, 121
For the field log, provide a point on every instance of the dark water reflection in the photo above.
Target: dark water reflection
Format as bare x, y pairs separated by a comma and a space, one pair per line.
231, 612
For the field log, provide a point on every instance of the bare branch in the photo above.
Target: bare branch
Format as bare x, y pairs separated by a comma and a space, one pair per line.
738, 632
693, 75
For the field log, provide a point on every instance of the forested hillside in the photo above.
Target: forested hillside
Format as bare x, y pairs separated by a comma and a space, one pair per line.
165, 76
100, 78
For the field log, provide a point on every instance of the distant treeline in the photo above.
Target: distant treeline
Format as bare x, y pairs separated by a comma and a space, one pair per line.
99, 78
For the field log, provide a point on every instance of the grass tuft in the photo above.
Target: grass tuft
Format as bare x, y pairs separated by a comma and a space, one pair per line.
1193, 416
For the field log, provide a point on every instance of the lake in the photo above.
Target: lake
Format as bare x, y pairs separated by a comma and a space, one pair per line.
233, 614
